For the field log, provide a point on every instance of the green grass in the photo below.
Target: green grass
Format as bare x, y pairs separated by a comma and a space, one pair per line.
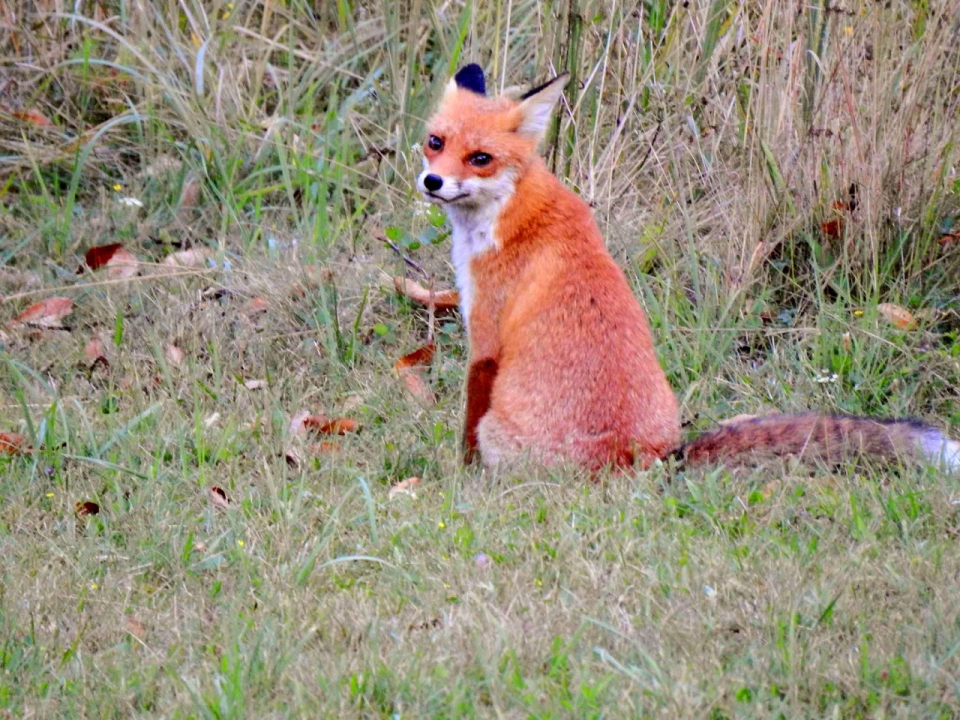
712, 141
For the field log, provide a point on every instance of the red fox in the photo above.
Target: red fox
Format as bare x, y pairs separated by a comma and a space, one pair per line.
562, 364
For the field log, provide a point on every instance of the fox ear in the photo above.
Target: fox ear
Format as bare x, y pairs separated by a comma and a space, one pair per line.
536, 106
470, 77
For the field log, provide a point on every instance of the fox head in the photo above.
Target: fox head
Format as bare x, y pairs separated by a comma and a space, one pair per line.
478, 147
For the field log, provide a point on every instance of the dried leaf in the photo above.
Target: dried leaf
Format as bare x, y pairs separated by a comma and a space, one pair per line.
194, 257
440, 299
86, 507
219, 498
123, 265
33, 116
11, 444
135, 627
408, 369
736, 419
190, 192
847, 342
47, 313
97, 257
255, 306
322, 425
324, 447
420, 356
949, 239
417, 387
293, 457
404, 487
95, 352
211, 420
255, 384
901, 317
833, 228
297, 427
174, 355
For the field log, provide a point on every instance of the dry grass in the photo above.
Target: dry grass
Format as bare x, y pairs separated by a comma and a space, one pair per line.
712, 139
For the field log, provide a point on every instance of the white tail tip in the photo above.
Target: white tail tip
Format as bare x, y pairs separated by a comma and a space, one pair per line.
941, 450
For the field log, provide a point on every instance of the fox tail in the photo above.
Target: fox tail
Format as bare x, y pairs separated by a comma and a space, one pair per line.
830, 438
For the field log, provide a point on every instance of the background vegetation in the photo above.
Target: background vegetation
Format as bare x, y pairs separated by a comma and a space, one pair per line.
769, 174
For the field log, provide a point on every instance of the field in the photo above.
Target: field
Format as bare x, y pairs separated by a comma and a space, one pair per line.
779, 181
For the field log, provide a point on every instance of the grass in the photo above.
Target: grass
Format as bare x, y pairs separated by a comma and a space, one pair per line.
713, 141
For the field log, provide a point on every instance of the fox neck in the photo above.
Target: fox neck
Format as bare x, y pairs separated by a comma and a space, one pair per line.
479, 229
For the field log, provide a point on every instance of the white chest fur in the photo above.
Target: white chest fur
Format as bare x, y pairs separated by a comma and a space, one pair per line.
473, 234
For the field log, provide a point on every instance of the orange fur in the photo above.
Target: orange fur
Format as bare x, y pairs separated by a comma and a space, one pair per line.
562, 364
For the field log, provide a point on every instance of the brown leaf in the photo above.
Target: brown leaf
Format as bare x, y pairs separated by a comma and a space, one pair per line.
297, 427
420, 356
408, 368
293, 456
194, 257
33, 116
322, 425
123, 265
11, 444
174, 355
219, 498
255, 306
47, 313
847, 342
440, 299
413, 381
949, 239
404, 487
95, 353
901, 317
97, 257
86, 507
190, 192
833, 228
134, 626
324, 447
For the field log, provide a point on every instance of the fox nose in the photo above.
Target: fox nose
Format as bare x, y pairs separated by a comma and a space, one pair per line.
433, 182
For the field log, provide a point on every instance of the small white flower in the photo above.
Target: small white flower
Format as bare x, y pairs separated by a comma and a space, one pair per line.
130, 202
827, 377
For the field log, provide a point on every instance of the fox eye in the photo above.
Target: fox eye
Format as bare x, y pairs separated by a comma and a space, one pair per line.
479, 159
434, 143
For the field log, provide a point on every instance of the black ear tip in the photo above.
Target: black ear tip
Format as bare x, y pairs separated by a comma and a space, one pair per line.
470, 77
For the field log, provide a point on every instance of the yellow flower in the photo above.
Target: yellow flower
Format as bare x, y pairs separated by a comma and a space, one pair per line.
226, 15
858, 313
49, 494
118, 187
441, 524
94, 586
239, 543
848, 31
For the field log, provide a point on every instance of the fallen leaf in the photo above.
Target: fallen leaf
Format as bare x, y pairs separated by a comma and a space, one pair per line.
255, 306
420, 356
833, 228
86, 507
47, 313
219, 498
174, 355
95, 352
949, 238
352, 403
324, 447
123, 265
293, 457
97, 257
194, 257
404, 487
440, 299
255, 384
297, 425
322, 425
134, 627
847, 342
190, 192
901, 317
11, 444
33, 116
408, 369
211, 420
